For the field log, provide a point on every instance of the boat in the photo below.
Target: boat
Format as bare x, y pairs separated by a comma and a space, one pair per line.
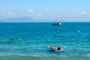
57, 24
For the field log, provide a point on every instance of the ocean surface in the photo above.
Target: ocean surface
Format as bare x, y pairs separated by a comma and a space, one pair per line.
32, 39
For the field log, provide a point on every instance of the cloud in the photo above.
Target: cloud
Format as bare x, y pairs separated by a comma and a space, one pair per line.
83, 12
30, 12
5, 14
11, 14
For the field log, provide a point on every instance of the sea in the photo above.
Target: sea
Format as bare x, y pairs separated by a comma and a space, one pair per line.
30, 41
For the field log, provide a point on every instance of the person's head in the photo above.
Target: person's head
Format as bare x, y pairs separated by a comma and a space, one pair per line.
59, 48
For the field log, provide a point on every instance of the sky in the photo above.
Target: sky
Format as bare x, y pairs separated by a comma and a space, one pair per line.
48, 10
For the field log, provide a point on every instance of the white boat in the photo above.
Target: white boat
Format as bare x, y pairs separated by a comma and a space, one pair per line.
57, 24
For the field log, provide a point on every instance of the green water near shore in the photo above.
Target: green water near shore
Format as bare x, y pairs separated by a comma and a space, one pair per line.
44, 58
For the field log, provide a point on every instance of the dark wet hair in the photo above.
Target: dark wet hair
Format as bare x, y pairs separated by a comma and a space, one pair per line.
59, 48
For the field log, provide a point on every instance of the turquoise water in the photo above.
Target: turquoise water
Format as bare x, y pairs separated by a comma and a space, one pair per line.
32, 39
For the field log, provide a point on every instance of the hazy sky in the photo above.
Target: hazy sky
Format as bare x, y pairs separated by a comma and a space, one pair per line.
66, 10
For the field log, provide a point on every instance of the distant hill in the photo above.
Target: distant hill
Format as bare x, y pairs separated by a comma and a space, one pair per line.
18, 19
25, 19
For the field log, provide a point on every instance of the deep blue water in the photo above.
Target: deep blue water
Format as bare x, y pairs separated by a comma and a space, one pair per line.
32, 39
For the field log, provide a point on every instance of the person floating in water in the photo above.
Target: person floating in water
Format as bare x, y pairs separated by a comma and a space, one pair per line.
53, 49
